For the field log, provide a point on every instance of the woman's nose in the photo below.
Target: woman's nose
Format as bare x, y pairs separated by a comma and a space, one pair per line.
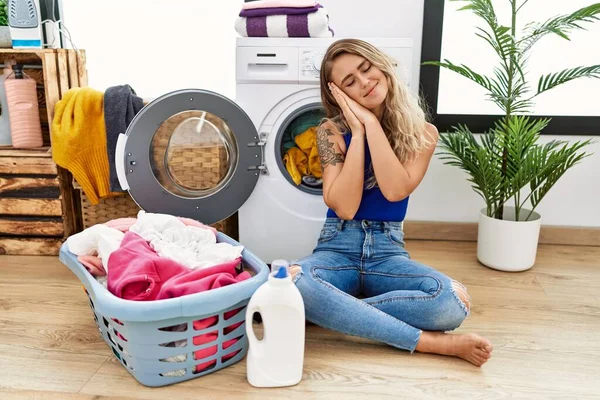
364, 81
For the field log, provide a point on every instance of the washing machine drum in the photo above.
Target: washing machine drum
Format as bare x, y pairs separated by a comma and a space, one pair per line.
190, 153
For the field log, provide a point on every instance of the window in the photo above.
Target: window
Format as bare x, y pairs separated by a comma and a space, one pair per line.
453, 99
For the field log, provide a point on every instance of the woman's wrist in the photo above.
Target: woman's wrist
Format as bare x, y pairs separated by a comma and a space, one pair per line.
358, 133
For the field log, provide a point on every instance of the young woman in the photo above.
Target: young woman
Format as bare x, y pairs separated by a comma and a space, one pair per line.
375, 146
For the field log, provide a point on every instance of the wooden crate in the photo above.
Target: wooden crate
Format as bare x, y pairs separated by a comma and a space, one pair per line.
31, 207
38, 205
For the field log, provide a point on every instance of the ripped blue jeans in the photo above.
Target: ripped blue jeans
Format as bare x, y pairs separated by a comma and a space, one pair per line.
361, 281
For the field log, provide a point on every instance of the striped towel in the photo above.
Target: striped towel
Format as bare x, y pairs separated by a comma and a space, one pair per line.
278, 3
314, 25
264, 12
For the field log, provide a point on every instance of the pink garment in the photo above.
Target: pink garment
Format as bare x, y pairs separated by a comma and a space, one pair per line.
138, 273
93, 264
211, 337
278, 3
123, 224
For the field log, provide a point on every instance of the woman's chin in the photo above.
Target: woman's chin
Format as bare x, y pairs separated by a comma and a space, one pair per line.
374, 104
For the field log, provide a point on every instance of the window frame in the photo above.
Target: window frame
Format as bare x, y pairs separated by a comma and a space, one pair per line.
431, 48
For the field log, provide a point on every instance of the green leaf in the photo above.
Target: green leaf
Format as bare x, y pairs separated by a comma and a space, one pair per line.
461, 149
550, 81
556, 163
464, 71
561, 25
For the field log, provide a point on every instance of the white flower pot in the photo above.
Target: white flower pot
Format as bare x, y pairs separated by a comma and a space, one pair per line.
508, 245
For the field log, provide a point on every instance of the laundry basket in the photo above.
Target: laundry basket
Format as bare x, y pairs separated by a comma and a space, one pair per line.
158, 341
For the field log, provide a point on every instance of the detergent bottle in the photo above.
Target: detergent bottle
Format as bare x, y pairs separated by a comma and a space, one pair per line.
277, 264
278, 359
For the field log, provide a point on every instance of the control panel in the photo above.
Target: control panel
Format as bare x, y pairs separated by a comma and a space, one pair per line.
310, 63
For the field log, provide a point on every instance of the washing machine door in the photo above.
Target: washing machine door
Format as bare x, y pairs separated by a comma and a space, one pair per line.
190, 153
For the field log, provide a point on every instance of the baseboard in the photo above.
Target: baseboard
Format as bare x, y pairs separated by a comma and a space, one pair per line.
467, 231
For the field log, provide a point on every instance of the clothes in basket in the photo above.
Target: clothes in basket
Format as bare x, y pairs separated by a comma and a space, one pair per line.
206, 338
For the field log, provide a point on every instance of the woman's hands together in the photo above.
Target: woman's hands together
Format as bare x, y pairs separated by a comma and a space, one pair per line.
356, 115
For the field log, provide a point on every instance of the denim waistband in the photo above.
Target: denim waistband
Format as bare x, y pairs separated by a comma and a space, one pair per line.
363, 223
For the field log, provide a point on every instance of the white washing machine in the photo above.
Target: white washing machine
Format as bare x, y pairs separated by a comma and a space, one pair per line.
197, 154
277, 83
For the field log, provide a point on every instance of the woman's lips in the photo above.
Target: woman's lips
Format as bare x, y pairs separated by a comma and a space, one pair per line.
371, 91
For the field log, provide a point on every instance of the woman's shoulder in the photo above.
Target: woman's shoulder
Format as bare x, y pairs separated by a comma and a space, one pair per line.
330, 131
330, 128
432, 131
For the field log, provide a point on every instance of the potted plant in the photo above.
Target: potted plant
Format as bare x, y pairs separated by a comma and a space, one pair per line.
507, 165
5, 38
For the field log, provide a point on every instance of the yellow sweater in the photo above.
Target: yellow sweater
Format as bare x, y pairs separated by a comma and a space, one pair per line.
78, 137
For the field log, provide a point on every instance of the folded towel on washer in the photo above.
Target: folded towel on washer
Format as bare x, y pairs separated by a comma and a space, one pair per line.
314, 25
278, 3
120, 106
263, 12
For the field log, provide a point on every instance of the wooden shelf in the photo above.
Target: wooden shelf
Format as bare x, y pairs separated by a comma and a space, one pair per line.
39, 207
9, 151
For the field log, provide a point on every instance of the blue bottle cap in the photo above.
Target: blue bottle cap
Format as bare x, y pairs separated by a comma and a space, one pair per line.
281, 273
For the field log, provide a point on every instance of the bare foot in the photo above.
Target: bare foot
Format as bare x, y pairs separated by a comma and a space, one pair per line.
471, 347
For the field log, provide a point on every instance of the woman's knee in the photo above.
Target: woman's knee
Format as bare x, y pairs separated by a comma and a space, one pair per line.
453, 310
461, 291
294, 270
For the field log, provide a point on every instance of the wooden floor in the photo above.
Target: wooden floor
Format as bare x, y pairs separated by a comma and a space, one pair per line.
544, 324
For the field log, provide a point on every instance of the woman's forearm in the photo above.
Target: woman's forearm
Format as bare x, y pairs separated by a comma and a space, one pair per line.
390, 174
345, 193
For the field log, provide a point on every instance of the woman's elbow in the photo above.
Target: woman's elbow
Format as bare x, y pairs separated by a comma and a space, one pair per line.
395, 194
345, 213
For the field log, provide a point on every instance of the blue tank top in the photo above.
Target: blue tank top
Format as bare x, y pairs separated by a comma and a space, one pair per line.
374, 206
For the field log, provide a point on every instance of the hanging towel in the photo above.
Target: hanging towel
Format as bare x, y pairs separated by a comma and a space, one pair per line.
262, 12
78, 137
278, 3
120, 106
314, 25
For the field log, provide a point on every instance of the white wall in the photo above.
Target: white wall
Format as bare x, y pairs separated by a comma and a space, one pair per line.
156, 46
193, 45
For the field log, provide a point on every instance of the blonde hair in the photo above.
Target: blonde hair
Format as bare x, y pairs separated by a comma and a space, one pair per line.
403, 119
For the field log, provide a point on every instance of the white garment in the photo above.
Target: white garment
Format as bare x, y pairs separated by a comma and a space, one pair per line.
191, 246
97, 239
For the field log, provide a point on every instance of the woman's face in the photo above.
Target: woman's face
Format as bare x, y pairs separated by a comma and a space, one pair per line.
360, 80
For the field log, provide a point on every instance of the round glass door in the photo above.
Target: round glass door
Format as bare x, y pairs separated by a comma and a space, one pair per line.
193, 154
296, 149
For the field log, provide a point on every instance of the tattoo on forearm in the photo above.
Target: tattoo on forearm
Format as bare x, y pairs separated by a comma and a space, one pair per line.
327, 153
